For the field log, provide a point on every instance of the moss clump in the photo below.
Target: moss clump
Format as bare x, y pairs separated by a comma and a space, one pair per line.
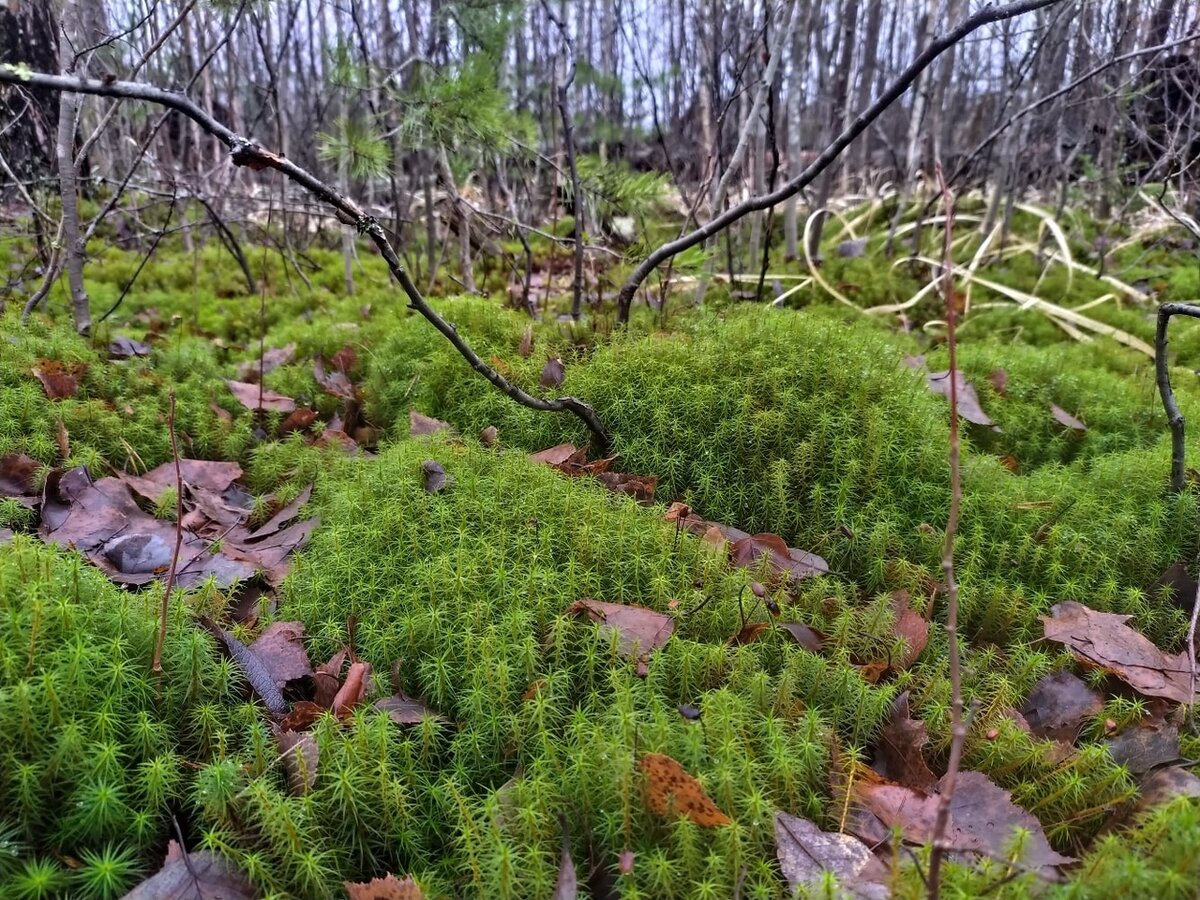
93, 748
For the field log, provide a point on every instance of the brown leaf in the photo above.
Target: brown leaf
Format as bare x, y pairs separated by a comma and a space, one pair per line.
671, 790
271, 360
750, 633
59, 381
1175, 585
212, 475
127, 348
344, 359
281, 649
299, 420
806, 853
387, 888
1164, 785
247, 395
18, 477
281, 518
353, 690
640, 487
327, 679
300, 758
1065, 418
1010, 462
640, 631
526, 346
808, 638
967, 399
203, 875
405, 710
490, 436
553, 373
784, 561
1059, 705
900, 753
435, 476
304, 713
998, 378
335, 383
555, 456
910, 626
1145, 747
420, 424
983, 818
1104, 640
567, 886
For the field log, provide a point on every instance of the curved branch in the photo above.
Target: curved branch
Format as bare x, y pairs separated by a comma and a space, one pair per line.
1163, 375
829, 155
245, 152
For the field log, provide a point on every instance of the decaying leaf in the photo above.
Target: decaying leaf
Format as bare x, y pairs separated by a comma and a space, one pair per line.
900, 752
420, 424
967, 399
247, 395
553, 373
353, 689
983, 818
387, 888
271, 360
334, 383
1164, 785
1059, 705
1104, 640
555, 456
998, 378
257, 675
327, 679
203, 875
783, 561
1066, 419
59, 381
806, 853
808, 638
911, 626
300, 758
749, 633
127, 348
1145, 747
435, 476
281, 649
567, 885
489, 436
671, 790
640, 631
405, 710
18, 476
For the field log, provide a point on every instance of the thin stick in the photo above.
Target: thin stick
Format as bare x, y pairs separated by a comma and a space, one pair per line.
157, 668
1163, 375
958, 728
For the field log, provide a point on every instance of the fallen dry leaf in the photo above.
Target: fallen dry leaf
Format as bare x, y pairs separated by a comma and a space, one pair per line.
1066, 419
405, 710
334, 383
127, 348
1104, 640
489, 436
998, 378
640, 631
1165, 785
247, 395
387, 888
420, 424
212, 475
553, 373
281, 649
806, 853
299, 420
18, 478
352, 691
304, 713
435, 476
555, 456
783, 561
327, 679
749, 633
640, 487
1059, 705
967, 399
203, 875
271, 360
671, 790
808, 638
345, 359
1144, 747
59, 381
257, 675
567, 885
900, 752
300, 758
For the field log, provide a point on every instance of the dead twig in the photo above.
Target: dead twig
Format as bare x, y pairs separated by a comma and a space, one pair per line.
156, 667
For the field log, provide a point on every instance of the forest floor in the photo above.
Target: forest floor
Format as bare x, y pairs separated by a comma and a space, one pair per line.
712, 666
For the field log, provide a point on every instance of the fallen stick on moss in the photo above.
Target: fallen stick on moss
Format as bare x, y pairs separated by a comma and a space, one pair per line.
248, 153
